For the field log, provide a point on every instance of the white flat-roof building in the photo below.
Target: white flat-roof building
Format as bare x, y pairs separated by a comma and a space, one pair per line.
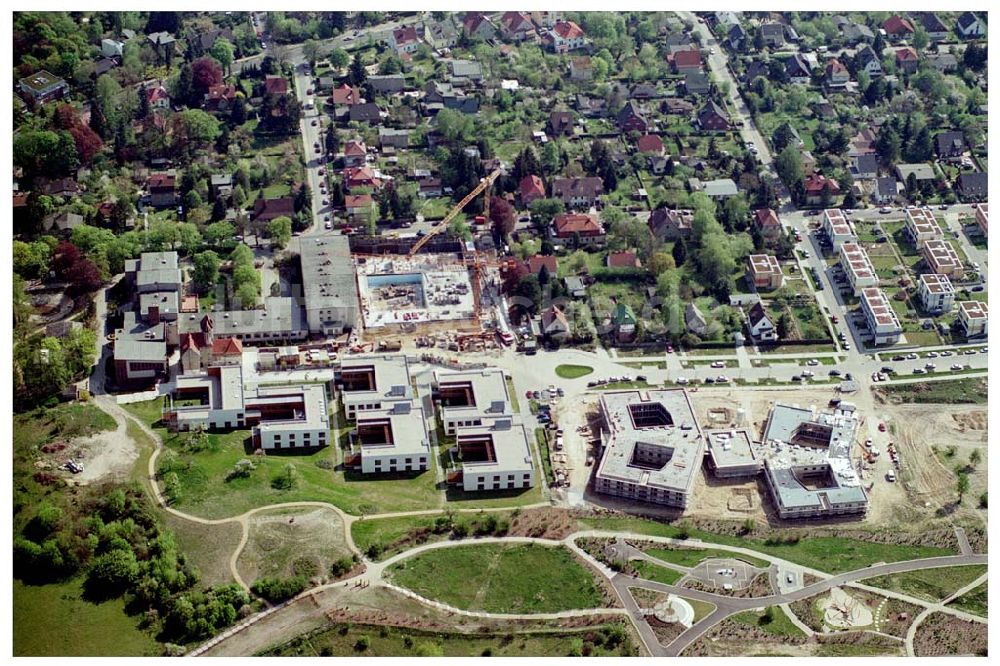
494, 456
983, 218
838, 228
373, 382
807, 463
880, 317
942, 258
858, 267
329, 286
471, 398
764, 271
731, 453
921, 226
936, 293
283, 417
974, 317
652, 446
392, 439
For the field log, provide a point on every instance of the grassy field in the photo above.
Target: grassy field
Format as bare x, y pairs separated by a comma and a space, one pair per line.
543, 451
829, 554
377, 641
655, 572
775, 622
500, 578
207, 547
287, 542
573, 371
689, 557
701, 608
206, 492
929, 584
53, 620
971, 390
973, 601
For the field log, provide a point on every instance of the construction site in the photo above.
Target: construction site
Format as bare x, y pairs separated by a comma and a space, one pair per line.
396, 291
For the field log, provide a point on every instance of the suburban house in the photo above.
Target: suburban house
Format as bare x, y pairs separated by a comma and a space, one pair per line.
632, 119
650, 143
697, 83
536, 262
761, 327
837, 75
865, 167
221, 184
694, 319
668, 224
855, 33
361, 177
773, 34
581, 68
921, 226
355, 153
386, 84
970, 26
936, 293
554, 324
764, 272
162, 188
942, 62
561, 123
276, 85
404, 40
358, 206
886, 190
265, 210
907, 60
219, 98
624, 321
818, 186
941, 258
868, 61
858, 267
626, 259
42, 87
531, 188
578, 193
63, 222
687, 60
897, 27
565, 36
973, 318
766, 221
366, 112
516, 26
442, 95
880, 318
712, 118
345, 95
477, 26
972, 186
440, 34
158, 97
797, 70
395, 138
465, 71
571, 226
921, 172
935, 28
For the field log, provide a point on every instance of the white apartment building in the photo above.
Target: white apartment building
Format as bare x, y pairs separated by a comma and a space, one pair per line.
921, 226
471, 398
880, 317
936, 293
838, 228
372, 382
858, 267
495, 456
392, 439
974, 318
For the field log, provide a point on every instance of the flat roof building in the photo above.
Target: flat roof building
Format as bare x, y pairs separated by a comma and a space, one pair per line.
471, 398
974, 317
373, 382
858, 267
838, 228
983, 218
942, 258
731, 453
392, 439
329, 287
936, 293
880, 317
921, 226
652, 446
494, 456
279, 321
807, 462
764, 271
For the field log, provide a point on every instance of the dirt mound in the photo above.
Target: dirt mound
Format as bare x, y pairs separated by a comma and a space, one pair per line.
971, 420
941, 634
543, 523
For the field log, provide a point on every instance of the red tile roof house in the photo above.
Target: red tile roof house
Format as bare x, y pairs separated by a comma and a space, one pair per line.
516, 26
767, 222
566, 36
837, 75
162, 189
570, 226
907, 60
897, 27
650, 143
276, 85
578, 192
405, 40
355, 154
623, 260
815, 184
531, 188
478, 25
361, 177
358, 205
535, 263
554, 324
345, 95
685, 61
219, 98
265, 210
158, 97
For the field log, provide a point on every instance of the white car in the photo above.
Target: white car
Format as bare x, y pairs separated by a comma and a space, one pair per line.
681, 380
813, 361
719, 364
722, 379
932, 355
328, 225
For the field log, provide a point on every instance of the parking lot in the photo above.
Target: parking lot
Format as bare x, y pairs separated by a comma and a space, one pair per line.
721, 573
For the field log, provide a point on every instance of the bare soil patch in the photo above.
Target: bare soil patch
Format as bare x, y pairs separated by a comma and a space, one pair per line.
666, 632
940, 634
290, 542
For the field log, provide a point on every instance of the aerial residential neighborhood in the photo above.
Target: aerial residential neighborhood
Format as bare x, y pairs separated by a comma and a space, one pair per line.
500, 333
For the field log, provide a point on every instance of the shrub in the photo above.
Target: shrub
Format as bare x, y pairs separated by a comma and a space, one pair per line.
277, 590
363, 644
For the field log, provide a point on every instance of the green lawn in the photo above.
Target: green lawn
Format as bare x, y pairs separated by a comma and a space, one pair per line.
701, 608
354, 640
513, 395
690, 557
973, 601
500, 578
573, 371
655, 572
829, 554
929, 584
773, 621
543, 450
970, 390
54, 621
206, 492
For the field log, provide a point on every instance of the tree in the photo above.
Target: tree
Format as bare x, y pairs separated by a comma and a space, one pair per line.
311, 49
219, 209
112, 573
661, 262
205, 273
962, 485
205, 73
850, 199
784, 326
679, 252
502, 216
223, 52
339, 58
975, 457
279, 230
357, 74
219, 234
238, 114
789, 166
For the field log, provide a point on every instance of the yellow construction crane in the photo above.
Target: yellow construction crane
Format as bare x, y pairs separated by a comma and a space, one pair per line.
484, 184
